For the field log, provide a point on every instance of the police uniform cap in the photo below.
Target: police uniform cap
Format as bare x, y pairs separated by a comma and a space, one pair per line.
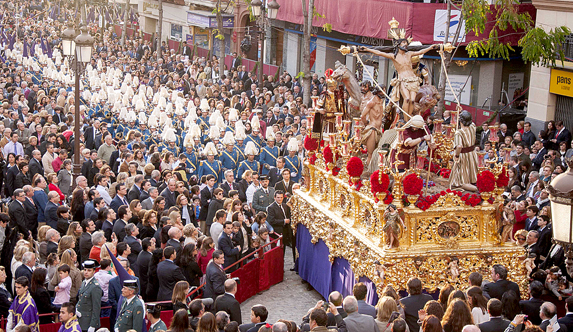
89, 264
263, 177
130, 283
151, 307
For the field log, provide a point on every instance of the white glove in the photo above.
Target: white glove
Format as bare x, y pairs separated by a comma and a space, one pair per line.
10, 323
79, 314
91, 329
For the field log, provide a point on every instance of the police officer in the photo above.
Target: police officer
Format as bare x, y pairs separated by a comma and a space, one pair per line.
154, 317
89, 299
130, 316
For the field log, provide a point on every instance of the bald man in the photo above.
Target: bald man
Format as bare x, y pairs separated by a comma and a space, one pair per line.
51, 211
228, 303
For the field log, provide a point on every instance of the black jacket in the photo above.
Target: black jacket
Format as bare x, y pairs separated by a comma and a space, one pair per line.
229, 304
35, 167
31, 215
275, 176
205, 199
119, 229
51, 215
5, 302
85, 246
214, 206
142, 264
43, 304
531, 308
498, 288
22, 180
17, 213
215, 283
226, 188
411, 305
495, 324
283, 187
23, 271
168, 275
567, 320
276, 217
133, 193
232, 253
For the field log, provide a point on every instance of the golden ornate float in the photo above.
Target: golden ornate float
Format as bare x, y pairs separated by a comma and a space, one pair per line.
448, 235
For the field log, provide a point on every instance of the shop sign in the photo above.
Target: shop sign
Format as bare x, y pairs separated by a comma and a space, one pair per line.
561, 82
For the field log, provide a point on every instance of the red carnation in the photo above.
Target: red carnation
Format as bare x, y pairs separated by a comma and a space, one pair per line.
413, 184
354, 167
485, 181
335, 171
379, 184
310, 144
312, 159
389, 198
502, 179
327, 154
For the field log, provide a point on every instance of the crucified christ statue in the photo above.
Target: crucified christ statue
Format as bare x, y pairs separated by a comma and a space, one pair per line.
407, 83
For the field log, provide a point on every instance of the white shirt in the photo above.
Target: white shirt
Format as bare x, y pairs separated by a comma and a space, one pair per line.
251, 192
104, 194
216, 230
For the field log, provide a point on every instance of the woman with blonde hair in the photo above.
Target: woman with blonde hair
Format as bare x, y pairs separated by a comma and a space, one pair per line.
175, 220
191, 234
75, 230
105, 254
384, 309
149, 224
70, 258
66, 242
42, 243
19, 252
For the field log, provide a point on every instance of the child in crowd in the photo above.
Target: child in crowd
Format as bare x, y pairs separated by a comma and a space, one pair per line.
52, 263
264, 235
63, 288
552, 282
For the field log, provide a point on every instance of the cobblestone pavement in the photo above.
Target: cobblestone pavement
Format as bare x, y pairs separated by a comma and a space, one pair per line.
286, 300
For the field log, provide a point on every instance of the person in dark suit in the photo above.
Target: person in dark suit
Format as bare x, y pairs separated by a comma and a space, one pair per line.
113, 159
168, 274
285, 185
531, 220
276, 173
496, 323
259, 315
215, 205
52, 237
35, 166
23, 178
229, 183
123, 214
120, 197
566, 320
549, 311
533, 246
174, 234
131, 233
135, 191
143, 259
532, 306
88, 227
186, 50
215, 280
360, 291
562, 135
91, 134
412, 303
17, 212
228, 303
232, 253
206, 196
500, 285
31, 211
11, 178
278, 216
51, 211
25, 270
170, 193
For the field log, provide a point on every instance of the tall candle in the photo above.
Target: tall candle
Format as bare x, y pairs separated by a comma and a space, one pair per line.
438, 126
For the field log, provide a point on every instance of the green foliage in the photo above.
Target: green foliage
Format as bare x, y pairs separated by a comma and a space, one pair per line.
316, 14
276, 77
254, 71
300, 75
218, 34
541, 48
327, 27
538, 46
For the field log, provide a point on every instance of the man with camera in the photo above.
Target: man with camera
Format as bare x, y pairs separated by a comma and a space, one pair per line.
317, 318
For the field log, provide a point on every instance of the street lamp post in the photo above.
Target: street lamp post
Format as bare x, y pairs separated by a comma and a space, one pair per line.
561, 196
80, 48
260, 13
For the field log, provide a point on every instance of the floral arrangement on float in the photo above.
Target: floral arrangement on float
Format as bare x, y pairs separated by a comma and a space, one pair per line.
311, 144
379, 183
354, 168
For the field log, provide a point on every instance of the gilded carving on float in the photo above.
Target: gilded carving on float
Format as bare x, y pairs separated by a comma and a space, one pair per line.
442, 244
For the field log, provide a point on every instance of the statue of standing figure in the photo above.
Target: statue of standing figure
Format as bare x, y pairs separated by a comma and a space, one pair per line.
465, 169
408, 82
393, 226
